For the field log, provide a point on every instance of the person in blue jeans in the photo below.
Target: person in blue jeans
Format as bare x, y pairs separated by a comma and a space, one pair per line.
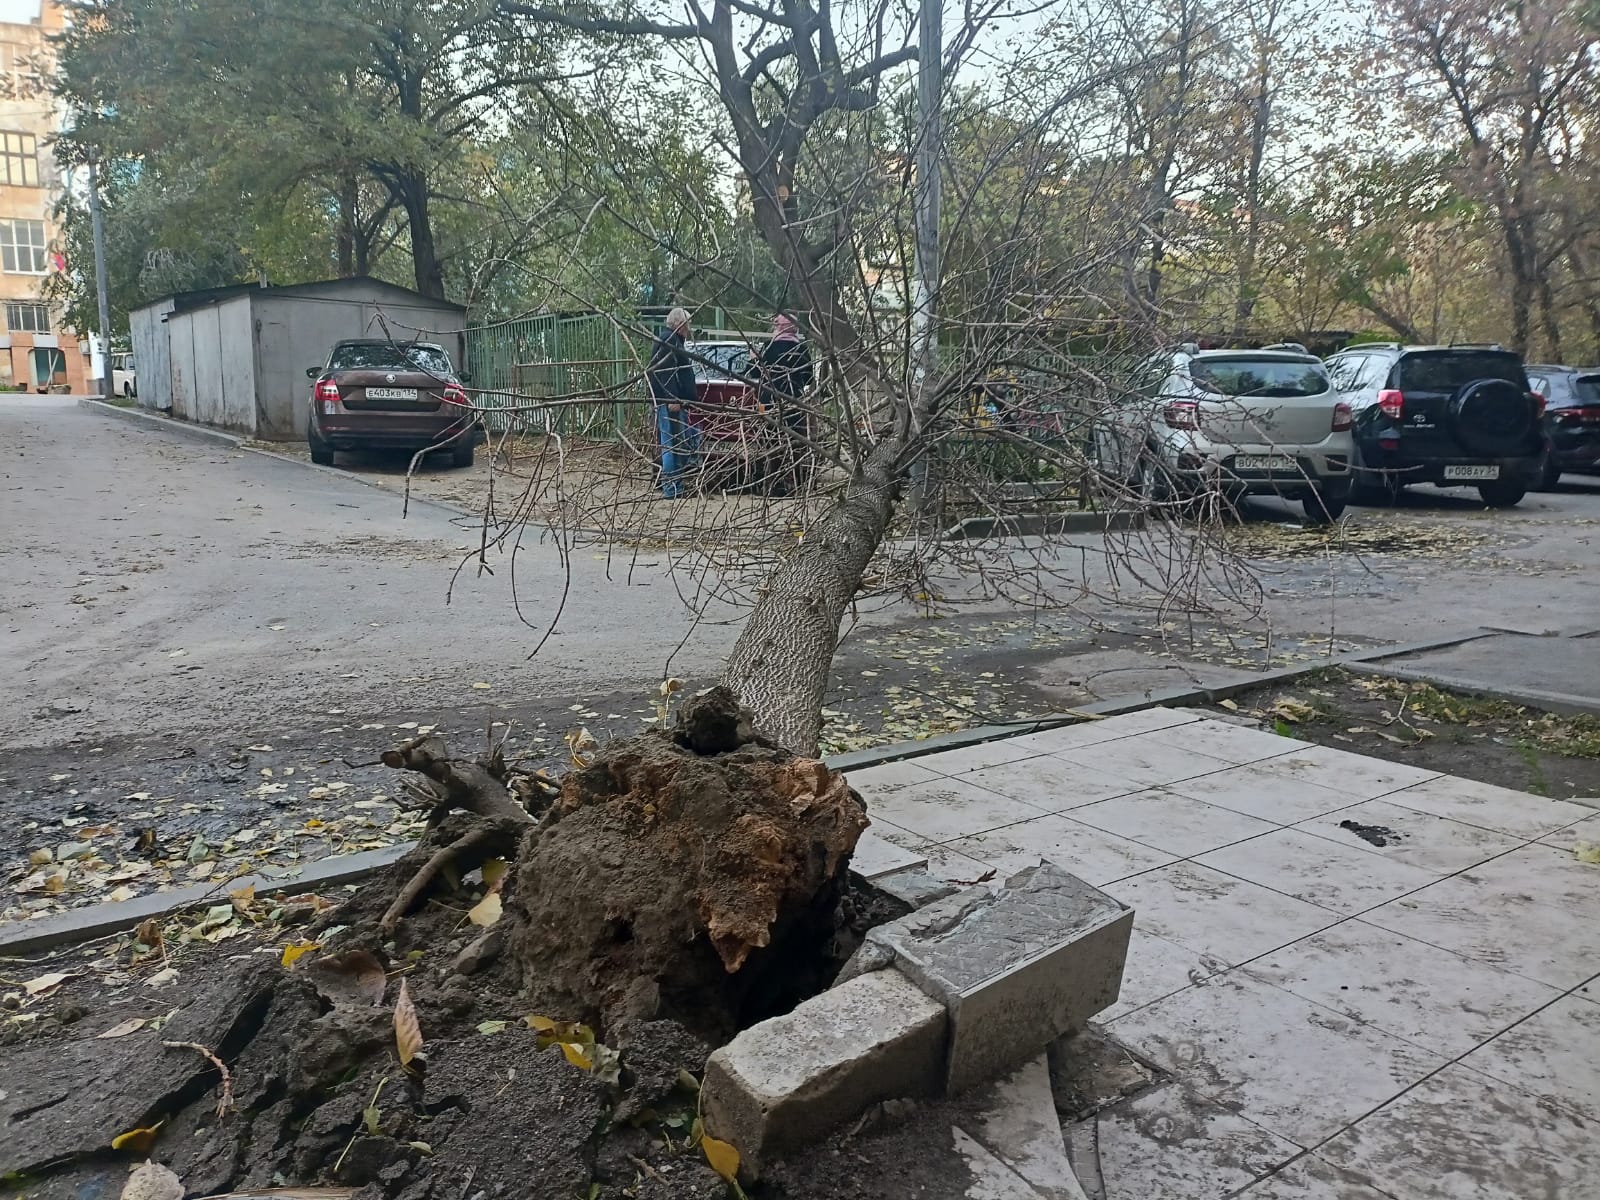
671, 379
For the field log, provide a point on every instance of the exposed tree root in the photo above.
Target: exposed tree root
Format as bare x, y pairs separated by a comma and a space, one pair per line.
456, 852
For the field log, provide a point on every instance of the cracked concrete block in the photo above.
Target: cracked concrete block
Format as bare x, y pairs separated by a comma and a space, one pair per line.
786, 1082
1015, 967
1015, 1119
914, 886
875, 857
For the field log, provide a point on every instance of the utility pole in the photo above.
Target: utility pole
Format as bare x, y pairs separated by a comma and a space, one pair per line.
97, 221
925, 279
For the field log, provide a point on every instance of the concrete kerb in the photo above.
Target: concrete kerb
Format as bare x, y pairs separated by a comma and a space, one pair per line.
1557, 702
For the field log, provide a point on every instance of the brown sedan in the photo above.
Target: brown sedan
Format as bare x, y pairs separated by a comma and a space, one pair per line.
382, 395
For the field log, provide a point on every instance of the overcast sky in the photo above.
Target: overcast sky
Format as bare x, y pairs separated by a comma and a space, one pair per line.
20, 11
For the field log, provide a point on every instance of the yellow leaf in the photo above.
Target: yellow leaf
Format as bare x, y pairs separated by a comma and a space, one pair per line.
1587, 852
243, 897
494, 871
45, 983
724, 1159
542, 1024
295, 951
482, 687
1230, 705
576, 1056
137, 1141
131, 1025
407, 1030
485, 911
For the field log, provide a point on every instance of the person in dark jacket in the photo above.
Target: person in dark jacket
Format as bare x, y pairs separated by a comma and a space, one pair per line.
785, 374
671, 379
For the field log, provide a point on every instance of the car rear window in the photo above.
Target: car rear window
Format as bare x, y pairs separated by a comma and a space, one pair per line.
1245, 376
1585, 392
357, 356
722, 362
1452, 370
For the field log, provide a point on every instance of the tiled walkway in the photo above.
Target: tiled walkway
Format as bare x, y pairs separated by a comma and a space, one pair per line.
1342, 1020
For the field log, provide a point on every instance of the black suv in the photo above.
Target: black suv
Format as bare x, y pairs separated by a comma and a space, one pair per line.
1451, 415
1571, 418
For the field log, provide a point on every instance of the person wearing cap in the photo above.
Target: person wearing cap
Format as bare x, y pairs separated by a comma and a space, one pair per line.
670, 375
784, 371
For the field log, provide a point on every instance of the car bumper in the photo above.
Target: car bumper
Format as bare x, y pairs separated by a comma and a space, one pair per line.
1208, 465
1395, 468
393, 431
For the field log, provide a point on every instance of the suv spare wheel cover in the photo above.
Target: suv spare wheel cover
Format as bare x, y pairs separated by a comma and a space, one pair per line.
1492, 417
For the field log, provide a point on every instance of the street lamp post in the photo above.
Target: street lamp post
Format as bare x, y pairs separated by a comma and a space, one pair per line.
97, 223
925, 199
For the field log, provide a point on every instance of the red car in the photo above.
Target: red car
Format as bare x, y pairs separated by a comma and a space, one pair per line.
736, 444
382, 395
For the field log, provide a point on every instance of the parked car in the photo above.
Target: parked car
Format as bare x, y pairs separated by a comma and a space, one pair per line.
123, 380
737, 443
1571, 419
1456, 416
1234, 422
382, 395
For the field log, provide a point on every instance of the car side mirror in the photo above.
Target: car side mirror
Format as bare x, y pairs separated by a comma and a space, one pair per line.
313, 372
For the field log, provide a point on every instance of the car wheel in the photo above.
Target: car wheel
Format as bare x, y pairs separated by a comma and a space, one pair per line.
127, 391
321, 452
1502, 493
1322, 508
462, 456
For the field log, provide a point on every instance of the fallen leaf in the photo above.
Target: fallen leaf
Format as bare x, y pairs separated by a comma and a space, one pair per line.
138, 1141
119, 894
148, 933
295, 951
482, 687
494, 871
355, 977
407, 1030
162, 977
577, 1055
486, 911
1587, 852
724, 1159
1230, 705
45, 983
370, 1116
421, 1147
487, 1027
132, 1025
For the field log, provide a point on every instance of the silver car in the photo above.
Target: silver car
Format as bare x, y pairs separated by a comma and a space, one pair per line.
1231, 423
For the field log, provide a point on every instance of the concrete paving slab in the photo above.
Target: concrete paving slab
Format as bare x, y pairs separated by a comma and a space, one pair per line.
991, 1178
1145, 761
1254, 791
876, 856
1436, 998
1091, 854
1547, 874
1157, 968
1015, 1119
1168, 821
1053, 783
943, 809
1461, 1135
1318, 870
1545, 1055
1500, 809
1312, 1177
1354, 774
1233, 743
1409, 836
1265, 1053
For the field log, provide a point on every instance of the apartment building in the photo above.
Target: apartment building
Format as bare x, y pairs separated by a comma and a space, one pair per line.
36, 351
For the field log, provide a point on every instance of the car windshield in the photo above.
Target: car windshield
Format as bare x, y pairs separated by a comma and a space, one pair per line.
724, 360
1246, 376
1452, 370
387, 356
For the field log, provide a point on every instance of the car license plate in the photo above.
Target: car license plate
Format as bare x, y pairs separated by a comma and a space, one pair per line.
1461, 471
1263, 462
387, 393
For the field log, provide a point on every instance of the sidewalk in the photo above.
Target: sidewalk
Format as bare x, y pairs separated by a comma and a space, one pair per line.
1364, 979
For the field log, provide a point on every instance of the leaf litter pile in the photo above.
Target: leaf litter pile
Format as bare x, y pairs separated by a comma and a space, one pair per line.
522, 1006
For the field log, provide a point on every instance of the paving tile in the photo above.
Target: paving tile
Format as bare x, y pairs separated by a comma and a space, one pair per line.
1107, 729
1554, 1054
1433, 997
1015, 1119
1092, 855
1217, 915
1546, 874
1168, 821
888, 779
1156, 968
1315, 1178
975, 758
1177, 1144
1586, 830
1463, 1136
876, 855
1354, 774
1254, 792
941, 809
1318, 870
1147, 761
941, 862
1425, 840
1277, 1060
1234, 743
1517, 934
1520, 814
1050, 784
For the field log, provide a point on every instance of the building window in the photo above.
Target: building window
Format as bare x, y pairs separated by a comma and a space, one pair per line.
22, 247
27, 318
19, 159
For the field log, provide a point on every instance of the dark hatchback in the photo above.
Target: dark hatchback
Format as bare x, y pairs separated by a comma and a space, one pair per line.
1449, 415
1571, 419
383, 395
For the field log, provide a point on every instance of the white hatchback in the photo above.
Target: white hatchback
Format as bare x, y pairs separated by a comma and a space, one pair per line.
1232, 423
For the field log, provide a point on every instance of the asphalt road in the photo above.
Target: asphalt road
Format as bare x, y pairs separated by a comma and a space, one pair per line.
234, 637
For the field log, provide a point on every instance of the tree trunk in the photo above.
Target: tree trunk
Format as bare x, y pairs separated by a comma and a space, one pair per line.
779, 666
1547, 318
413, 189
349, 222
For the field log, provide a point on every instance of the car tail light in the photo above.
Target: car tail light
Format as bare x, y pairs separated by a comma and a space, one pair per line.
1182, 414
1538, 403
454, 393
326, 393
1392, 403
1342, 418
